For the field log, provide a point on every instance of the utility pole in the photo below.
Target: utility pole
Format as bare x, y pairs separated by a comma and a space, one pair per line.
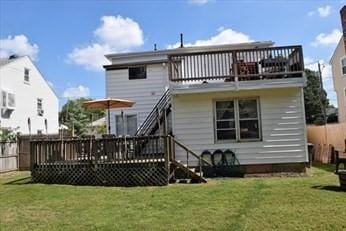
323, 108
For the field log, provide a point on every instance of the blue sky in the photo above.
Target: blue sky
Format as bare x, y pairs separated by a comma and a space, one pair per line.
67, 39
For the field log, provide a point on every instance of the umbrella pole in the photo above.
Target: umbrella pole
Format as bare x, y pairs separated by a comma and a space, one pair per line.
109, 120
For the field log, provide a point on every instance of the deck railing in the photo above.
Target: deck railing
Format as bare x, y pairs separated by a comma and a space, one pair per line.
106, 150
238, 65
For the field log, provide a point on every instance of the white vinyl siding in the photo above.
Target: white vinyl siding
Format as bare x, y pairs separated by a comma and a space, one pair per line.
145, 92
22, 98
281, 116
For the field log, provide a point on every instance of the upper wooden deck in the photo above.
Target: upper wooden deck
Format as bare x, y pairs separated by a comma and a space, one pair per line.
237, 65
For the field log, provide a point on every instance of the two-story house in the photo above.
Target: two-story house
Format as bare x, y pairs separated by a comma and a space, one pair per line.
244, 97
338, 62
28, 104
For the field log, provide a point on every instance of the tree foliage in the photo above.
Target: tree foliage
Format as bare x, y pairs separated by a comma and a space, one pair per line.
77, 117
313, 97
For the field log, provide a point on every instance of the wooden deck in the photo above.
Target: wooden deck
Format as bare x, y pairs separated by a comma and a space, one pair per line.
237, 65
131, 161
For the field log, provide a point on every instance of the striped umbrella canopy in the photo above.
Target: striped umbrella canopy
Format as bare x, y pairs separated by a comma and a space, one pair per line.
108, 103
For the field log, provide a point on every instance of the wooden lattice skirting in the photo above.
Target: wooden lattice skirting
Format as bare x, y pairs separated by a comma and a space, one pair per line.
107, 174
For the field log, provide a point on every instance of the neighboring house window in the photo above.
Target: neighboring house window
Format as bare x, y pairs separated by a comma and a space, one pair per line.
26, 75
129, 125
237, 120
343, 66
8, 99
137, 72
4, 98
40, 107
11, 100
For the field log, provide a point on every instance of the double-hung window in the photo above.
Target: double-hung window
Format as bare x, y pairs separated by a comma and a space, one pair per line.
237, 120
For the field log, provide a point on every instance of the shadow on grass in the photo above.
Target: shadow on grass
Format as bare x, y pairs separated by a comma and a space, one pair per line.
21, 181
333, 188
325, 167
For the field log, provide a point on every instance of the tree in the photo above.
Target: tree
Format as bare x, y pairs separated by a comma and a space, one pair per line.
313, 98
77, 117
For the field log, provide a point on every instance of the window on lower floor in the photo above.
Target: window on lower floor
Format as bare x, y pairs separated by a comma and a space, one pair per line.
237, 120
126, 125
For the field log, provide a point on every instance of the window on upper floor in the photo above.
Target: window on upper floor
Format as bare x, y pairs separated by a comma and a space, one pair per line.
237, 120
40, 107
139, 72
26, 75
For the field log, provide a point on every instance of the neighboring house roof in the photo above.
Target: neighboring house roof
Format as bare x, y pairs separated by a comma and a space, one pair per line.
331, 110
189, 49
99, 122
4, 61
337, 46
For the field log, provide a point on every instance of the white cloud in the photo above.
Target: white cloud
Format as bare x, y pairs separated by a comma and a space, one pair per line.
91, 57
198, 2
313, 65
119, 33
322, 11
327, 39
225, 36
115, 34
76, 92
18, 45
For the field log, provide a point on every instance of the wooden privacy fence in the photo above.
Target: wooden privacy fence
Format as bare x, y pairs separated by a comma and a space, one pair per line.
8, 156
124, 161
325, 139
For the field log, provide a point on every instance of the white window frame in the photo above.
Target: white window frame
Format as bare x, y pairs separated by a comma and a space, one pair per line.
5, 103
237, 120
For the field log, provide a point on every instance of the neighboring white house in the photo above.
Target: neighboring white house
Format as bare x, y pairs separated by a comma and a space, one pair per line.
28, 103
244, 97
338, 63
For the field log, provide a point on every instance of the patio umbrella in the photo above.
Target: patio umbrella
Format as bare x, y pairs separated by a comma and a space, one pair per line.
108, 103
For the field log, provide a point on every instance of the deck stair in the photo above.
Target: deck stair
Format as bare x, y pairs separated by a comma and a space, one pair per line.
182, 171
157, 117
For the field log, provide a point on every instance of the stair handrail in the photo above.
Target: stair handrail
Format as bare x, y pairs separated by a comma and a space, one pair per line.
159, 106
189, 151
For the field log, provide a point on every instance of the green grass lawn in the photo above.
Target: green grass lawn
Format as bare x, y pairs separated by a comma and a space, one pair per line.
289, 203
